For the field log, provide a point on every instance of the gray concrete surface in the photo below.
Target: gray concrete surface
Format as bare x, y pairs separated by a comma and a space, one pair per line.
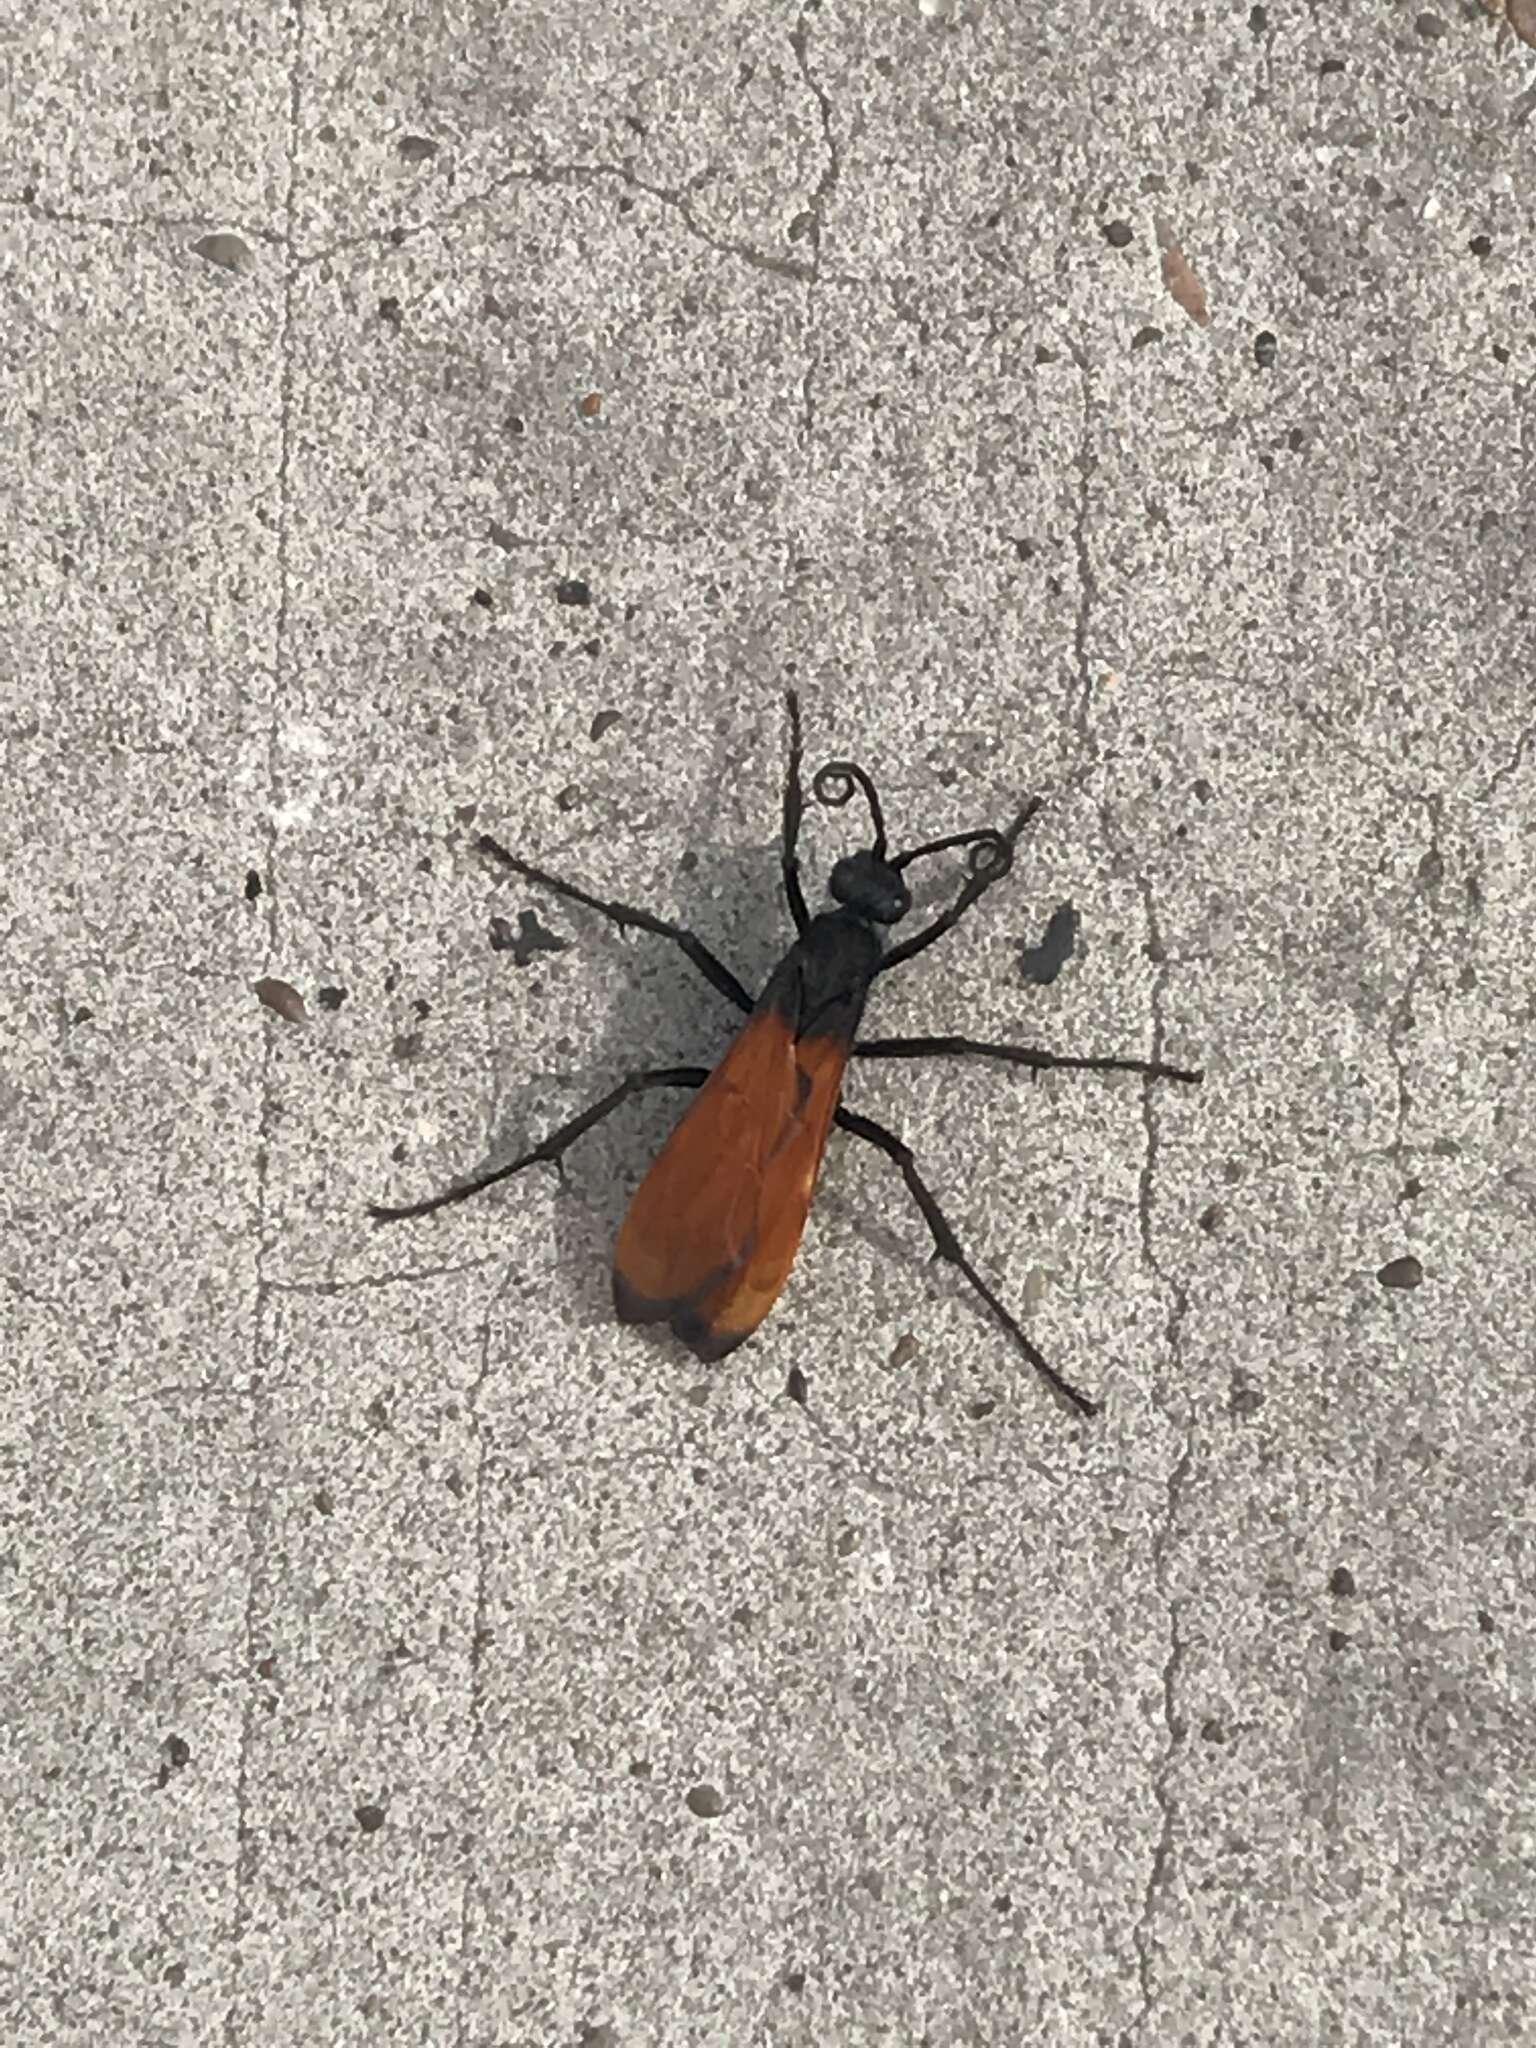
395, 1650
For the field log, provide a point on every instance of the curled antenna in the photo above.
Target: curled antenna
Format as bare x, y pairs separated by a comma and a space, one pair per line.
834, 786
991, 852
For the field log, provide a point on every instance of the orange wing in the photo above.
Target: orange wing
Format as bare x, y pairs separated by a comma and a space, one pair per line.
714, 1227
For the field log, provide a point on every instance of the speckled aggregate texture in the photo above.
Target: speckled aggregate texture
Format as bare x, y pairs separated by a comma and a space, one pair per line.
463, 416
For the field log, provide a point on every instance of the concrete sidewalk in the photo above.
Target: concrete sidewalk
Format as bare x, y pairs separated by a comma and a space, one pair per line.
472, 419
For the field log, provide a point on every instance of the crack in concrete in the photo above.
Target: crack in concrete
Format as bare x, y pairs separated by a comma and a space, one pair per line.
1402, 1019
362, 1283
469, 2010
1080, 712
826, 184
189, 1390
58, 216
1513, 765
1086, 463
39, 209
1433, 802
255, 1547
629, 1464
1158, 953
1162, 1776
474, 534
1320, 724
554, 175
1173, 1353
256, 1511
849, 1464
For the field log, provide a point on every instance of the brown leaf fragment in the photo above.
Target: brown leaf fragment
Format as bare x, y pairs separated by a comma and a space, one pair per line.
1184, 288
284, 998
1521, 17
